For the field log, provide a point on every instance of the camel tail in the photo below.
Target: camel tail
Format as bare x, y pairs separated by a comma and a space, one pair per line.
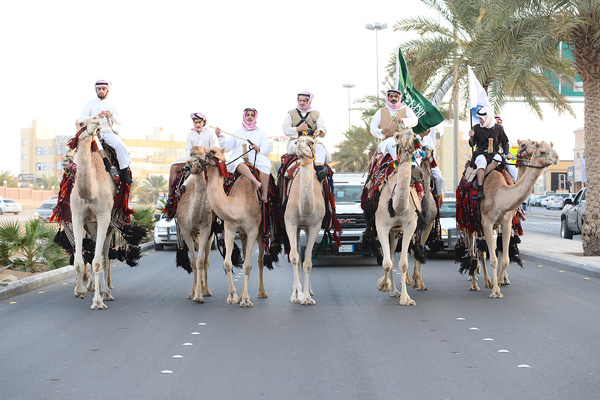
133, 234
63, 241
182, 259
514, 256
468, 264
418, 252
133, 255
237, 259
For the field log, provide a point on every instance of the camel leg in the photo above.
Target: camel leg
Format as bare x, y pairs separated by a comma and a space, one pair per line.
393, 242
482, 255
489, 238
292, 232
262, 293
311, 238
103, 222
81, 289
229, 237
205, 289
197, 265
504, 257
409, 230
106, 290
384, 283
418, 266
250, 240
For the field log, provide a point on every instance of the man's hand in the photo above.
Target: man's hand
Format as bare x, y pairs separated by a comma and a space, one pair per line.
302, 127
471, 132
255, 148
385, 132
218, 131
509, 156
319, 133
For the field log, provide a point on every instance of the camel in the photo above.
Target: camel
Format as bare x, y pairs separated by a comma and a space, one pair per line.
305, 210
500, 204
397, 208
241, 212
92, 201
524, 154
194, 218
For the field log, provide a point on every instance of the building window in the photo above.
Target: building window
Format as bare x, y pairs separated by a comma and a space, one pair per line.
40, 151
50, 150
44, 166
38, 166
58, 165
24, 157
50, 166
24, 142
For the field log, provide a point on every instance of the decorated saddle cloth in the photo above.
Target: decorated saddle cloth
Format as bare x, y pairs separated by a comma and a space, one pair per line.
332, 228
381, 169
467, 205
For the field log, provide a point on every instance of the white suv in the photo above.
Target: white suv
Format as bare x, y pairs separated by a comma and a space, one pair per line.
348, 189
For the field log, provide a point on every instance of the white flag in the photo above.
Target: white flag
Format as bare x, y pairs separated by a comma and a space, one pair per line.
477, 95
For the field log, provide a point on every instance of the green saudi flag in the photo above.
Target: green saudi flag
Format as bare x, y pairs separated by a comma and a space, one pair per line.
429, 116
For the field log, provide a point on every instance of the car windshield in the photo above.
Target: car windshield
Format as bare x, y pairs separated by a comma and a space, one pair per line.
347, 193
49, 205
9, 201
448, 209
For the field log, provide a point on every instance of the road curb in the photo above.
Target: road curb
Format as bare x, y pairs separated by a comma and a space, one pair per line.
45, 278
579, 268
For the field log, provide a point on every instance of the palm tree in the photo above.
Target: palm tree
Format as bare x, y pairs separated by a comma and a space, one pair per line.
354, 153
151, 188
32, 250
576, 23
11, 180
463, 36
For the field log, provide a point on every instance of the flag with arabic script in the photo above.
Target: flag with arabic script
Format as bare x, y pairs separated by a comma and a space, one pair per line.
429, 116
477, 95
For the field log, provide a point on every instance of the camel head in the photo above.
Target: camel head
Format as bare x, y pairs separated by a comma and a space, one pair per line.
405, 144
92, 127
545, 153
526, 149
306, 147
215, 157
197, 159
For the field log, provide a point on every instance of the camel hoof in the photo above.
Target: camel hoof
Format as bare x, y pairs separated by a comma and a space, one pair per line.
395, 293
422, 288
308, 302
262, 295
383, 284
81, 294
407, 302
198, 299
297, 297
495, 295
190, 296
206, 292
232, 299
474, 288
246, 303
108, 297
99, 306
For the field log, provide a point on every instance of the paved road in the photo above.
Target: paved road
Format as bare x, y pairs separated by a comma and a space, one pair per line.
355, 343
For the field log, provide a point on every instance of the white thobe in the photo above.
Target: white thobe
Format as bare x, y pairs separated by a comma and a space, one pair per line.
93, 108
260, 159
205, 138
322, 155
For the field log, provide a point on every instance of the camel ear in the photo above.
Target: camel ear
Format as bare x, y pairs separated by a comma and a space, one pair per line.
551, 145
519, 142
536, 144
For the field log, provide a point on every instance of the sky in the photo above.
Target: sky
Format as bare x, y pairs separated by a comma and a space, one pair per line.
169, 59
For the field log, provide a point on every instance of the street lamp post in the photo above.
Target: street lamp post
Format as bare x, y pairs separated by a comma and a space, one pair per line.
376, 27
348, 86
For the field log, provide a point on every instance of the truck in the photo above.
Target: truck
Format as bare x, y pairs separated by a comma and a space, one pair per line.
571, 217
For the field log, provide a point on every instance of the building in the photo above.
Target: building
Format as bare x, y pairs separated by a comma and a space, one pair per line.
447, 162
41, 152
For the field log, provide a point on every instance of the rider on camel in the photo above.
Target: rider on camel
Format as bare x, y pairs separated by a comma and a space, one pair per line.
486, 159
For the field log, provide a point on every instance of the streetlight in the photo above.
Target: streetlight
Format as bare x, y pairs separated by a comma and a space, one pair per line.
348, 86
376, 27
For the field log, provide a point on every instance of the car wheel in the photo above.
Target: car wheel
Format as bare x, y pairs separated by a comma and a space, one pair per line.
16, 213
1, 212
565, 232
158, 246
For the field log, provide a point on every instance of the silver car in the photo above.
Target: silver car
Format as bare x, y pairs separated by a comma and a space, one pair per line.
448, 223
9, 206
45, 211
165, 232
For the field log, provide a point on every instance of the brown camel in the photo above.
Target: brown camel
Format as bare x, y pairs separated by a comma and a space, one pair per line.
241, 212
92, 201
305, 210
194, 218
500, 204
397, 208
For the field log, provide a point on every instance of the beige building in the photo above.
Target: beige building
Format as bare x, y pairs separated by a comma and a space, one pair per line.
41, 152
447, 162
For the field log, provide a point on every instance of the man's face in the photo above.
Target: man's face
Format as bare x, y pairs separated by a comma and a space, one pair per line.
499, 121
199, 123
393, 97
250, 116
481, 121
102, 92
302, 101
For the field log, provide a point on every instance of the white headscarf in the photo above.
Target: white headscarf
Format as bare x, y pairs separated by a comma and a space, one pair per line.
488, 117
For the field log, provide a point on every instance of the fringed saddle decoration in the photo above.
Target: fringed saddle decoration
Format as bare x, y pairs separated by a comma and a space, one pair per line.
330, 225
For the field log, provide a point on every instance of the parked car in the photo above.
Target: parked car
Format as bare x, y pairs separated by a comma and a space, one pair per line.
347, 191
9, 206
45, 211
544, 201
448, 223
567, 195
165, 232
571, 218
537, 200
557, 202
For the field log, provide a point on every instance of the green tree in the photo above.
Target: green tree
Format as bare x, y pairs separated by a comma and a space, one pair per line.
11, 180
144, 216
150, 189
576, 23
31, 250
354, 153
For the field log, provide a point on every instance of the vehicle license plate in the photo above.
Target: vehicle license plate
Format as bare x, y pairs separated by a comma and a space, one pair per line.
346, 248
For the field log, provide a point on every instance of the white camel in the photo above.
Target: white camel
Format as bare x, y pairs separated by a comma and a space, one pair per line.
401, 213
92, 201
194, 218
305, 210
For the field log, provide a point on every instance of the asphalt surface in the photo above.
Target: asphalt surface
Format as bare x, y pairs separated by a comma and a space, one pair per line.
355, 343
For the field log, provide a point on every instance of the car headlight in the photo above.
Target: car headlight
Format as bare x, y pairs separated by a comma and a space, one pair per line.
162, 229
444, 233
